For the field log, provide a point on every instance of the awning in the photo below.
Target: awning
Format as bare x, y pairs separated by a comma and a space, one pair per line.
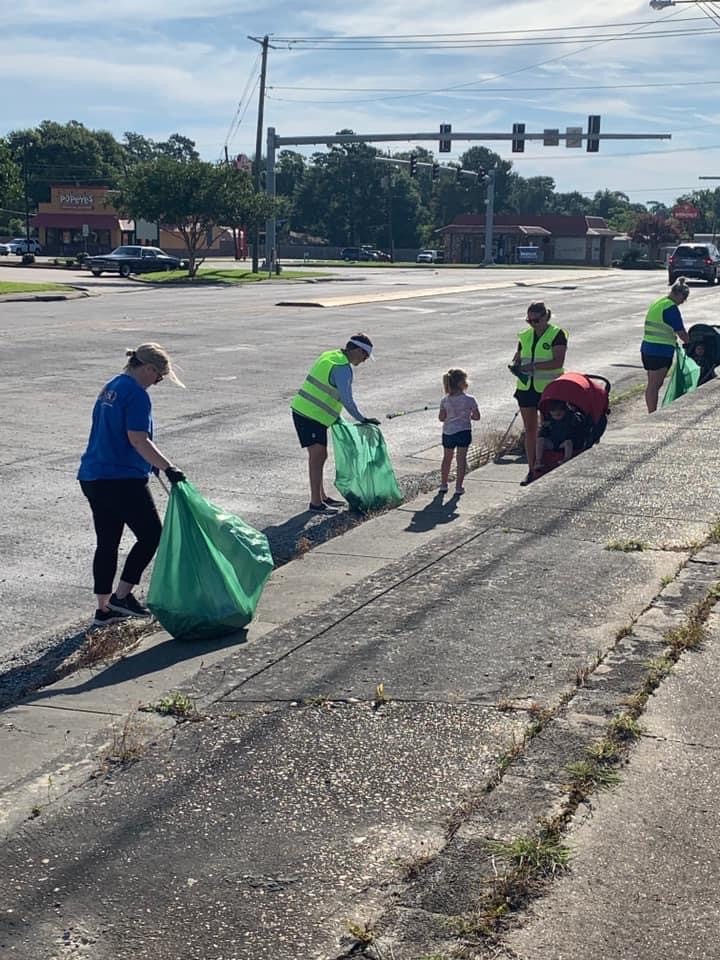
75, 221
127, 226
600, 232
534, 231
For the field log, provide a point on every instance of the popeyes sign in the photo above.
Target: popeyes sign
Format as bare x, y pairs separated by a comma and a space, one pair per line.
685, 211
77, 200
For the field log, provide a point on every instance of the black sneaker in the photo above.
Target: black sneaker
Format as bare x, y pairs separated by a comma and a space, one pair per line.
329, 502
528, 479
318, 508
128, 606
104, 618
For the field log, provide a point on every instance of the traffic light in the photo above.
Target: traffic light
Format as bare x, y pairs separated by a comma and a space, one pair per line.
458, 174
445, 144
413, 165
593, 140
436, 171
518, 140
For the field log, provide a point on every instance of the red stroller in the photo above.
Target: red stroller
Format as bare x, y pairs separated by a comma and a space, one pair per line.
588, 397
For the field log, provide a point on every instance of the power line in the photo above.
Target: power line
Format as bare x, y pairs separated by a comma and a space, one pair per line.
532, 66
243, 103
489, 91
483, 33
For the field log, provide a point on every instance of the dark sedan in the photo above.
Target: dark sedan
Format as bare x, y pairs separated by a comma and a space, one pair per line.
127, 260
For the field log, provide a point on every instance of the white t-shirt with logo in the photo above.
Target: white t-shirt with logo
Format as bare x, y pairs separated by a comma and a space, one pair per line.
458, 407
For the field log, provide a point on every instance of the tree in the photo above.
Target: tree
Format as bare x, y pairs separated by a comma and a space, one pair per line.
177, 147
532, 195
11, 189
572, 204
290, 172
654, 231
67, 152
192, 196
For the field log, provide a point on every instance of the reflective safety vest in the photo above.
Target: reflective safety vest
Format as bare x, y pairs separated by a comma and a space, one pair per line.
656, 330
542, 350
317, 398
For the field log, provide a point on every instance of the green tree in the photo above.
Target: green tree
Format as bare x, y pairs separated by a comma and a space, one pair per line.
572, 204
532, 195
11, 188
290, 172
71, 152
177, 147
192, 196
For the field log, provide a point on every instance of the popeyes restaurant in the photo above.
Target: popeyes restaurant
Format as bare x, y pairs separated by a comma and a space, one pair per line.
80, 219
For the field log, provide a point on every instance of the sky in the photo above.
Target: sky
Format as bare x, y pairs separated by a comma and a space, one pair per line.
162, 66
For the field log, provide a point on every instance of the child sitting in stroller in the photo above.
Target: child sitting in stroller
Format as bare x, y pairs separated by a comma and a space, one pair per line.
559, 435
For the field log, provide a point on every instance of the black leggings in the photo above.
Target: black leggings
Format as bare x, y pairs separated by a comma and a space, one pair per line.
115, 503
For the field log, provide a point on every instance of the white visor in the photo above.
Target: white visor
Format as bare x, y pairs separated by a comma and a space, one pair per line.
363, 346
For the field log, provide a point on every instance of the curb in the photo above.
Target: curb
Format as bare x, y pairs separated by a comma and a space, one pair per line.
49, 297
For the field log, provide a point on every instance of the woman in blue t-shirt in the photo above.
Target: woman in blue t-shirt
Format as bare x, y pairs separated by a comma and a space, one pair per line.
113, 475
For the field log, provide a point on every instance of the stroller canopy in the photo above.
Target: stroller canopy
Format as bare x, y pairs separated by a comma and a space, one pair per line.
587, 392
709, 337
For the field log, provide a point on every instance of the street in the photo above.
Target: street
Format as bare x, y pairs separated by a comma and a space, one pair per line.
242, 358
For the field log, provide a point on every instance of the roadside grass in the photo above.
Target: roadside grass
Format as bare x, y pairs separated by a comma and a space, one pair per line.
224, 276
12, 287
632, 393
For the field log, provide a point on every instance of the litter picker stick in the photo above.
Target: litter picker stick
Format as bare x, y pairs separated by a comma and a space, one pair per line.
404, 413
163, 484
505, 436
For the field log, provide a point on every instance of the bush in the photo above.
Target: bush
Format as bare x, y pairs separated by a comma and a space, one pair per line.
80, 257
28, 258
69, 263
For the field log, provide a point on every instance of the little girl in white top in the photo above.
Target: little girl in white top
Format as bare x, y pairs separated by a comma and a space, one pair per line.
457, 409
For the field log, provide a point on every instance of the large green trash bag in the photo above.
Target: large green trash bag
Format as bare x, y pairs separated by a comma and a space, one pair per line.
363, 472
684, 377
209, 571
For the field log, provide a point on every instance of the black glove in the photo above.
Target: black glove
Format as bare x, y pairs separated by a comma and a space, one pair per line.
174, 475
372, 420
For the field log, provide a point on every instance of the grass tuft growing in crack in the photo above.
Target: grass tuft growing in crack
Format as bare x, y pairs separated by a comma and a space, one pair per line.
176, 705
626, 546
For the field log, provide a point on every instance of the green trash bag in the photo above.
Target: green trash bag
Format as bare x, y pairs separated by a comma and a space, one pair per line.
684, 377
209, 571
363, 472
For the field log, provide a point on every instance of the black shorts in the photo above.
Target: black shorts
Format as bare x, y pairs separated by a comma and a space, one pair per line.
463, 438
309, 431
527, 398
651, 362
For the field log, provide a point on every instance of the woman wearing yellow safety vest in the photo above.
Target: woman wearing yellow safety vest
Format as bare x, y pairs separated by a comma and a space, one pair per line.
318, 404
662, 324
538, 360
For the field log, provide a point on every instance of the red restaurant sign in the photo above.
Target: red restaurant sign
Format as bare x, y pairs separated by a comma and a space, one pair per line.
685, 211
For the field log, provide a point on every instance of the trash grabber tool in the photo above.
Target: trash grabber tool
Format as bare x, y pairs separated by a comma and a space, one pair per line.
504, 437
404, 413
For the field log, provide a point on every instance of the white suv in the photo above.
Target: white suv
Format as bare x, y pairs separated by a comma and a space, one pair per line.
20, 245
430, 256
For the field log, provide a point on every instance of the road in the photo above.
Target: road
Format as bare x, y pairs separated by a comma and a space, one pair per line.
242, 359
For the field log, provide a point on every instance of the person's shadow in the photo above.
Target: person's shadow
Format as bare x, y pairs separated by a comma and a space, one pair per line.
437, 512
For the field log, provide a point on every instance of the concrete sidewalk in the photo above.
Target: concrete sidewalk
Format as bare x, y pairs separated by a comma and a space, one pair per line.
313, 809
646, 860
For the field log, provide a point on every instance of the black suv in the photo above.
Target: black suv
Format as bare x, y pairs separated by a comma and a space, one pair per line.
701, 260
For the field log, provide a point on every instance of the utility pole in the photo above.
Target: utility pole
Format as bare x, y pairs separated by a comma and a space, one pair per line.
264, 43
489, 218
27, 196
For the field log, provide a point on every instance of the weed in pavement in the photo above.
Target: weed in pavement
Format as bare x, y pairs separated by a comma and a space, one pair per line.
625, 728
176, 705
362, 933
587, 776
128, 743
626, 546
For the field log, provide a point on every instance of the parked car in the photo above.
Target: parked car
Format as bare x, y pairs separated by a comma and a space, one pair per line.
20, 245
430, 256
701, 260
4, 249
127, 260
357, 253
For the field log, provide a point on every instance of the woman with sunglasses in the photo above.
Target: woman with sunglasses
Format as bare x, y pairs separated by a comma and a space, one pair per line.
538, 360
114, 473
